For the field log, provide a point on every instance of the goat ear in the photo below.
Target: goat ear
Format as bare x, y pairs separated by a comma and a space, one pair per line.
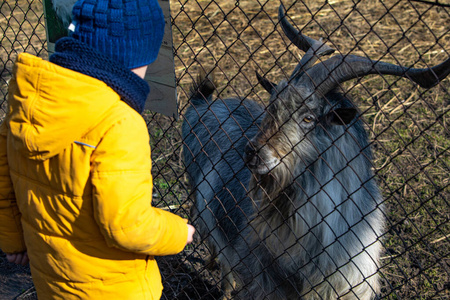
267, 84
341, 116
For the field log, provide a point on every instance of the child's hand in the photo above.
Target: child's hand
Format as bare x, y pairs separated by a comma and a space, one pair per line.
191, 231
18, 258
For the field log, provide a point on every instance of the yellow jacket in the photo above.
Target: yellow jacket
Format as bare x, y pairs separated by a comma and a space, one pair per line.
76, 188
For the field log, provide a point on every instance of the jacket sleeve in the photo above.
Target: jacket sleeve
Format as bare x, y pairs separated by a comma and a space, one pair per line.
122, 194
11, 235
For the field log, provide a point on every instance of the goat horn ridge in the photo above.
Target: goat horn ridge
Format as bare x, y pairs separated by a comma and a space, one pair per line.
328, 74
313, 48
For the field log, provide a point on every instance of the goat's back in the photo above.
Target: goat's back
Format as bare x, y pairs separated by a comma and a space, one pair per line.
214, 136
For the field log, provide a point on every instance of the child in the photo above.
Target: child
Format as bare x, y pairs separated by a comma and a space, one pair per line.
75, 180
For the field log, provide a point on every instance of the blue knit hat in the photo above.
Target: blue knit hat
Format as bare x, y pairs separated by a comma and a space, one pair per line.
128, 31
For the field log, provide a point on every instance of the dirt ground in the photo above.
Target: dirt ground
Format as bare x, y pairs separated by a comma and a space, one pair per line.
14, 279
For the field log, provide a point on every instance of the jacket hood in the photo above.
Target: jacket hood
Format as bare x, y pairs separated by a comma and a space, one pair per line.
51, 107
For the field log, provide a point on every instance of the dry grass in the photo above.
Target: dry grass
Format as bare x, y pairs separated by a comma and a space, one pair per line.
409, 126
22, 25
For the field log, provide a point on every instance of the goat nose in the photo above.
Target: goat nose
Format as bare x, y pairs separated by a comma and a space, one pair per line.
249, 149
250, 156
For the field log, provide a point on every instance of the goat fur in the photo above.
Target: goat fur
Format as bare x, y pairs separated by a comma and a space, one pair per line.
309, 228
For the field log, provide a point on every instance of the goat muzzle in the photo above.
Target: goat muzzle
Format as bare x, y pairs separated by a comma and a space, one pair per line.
251, 158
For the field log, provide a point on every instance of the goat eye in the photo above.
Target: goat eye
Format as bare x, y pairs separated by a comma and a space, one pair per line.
308, 119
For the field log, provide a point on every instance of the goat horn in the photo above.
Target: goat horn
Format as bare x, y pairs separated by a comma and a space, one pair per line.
308, 59
328, 74
312, 48
267, 84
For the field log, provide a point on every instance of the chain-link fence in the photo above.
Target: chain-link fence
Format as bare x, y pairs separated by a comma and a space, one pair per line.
407, 128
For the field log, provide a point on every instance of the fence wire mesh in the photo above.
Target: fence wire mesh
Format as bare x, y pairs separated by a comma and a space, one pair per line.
407, 125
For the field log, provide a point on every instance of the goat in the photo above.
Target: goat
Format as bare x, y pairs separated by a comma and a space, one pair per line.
285, 196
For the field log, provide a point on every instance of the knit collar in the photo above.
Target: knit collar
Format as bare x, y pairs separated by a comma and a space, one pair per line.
78, 56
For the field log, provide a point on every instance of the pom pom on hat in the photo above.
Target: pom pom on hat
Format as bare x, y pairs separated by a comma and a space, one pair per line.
128, 31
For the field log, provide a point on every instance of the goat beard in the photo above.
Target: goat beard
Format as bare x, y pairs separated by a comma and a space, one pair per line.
265, 189
273, 196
